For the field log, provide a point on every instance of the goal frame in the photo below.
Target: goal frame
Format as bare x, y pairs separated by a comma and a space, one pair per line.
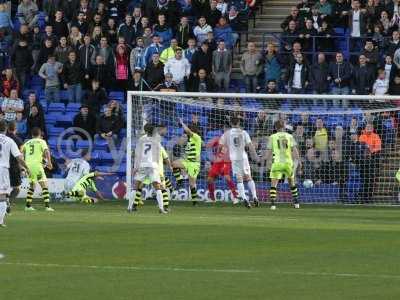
141, 94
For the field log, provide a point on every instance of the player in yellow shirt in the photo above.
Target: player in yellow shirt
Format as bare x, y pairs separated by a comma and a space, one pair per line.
283, 149
35, 152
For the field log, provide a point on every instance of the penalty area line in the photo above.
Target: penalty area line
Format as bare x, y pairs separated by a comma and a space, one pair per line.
128, 268
348, 275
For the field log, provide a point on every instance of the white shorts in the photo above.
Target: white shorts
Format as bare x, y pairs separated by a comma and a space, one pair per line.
151, 174
241, 168
5, 186
69, 184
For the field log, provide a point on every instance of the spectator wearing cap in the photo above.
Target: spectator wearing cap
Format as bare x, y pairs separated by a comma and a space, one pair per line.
85, 120
95, 97
72, 75
154, 72
202, 59
155, 47
169, 52
50, 72
184, 32
163, 30
22, 61
222, 66
201, 30
28, 13
363, 77
60, 27
136, 59
104, 50
251, 67
223, 31
11, 106
179, 67
127, 30
371, 54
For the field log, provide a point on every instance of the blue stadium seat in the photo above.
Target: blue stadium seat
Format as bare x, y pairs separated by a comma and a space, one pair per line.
55, 131
56, 107
82, 144
73, 107
51, 118
119, 96
64, 121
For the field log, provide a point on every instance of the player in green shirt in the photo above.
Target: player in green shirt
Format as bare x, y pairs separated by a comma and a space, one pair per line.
283, 148
87, 182
191, 163
36, 154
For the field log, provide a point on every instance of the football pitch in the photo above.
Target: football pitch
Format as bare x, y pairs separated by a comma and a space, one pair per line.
204, 252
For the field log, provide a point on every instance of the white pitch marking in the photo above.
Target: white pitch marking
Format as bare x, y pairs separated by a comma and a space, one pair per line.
355, 275
129, 268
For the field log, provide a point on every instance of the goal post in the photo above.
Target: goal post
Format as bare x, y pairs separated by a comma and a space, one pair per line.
349, 144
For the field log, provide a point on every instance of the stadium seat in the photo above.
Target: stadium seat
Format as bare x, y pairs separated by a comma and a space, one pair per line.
73, 107
56, 107
83, 144
64, 121
55, 131
119, 96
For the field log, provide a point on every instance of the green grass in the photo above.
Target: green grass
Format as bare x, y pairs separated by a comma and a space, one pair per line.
101, 252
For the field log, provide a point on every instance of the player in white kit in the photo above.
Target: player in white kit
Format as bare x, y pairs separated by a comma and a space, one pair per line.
7, 148
146, 166
236, 140
77, 168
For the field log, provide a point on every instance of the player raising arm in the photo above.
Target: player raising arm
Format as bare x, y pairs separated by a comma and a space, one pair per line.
191, 163
8, 148
283, 148
87, 182
236, 140
146, 167
35, 151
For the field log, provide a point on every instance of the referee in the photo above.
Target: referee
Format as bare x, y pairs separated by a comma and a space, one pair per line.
15, 171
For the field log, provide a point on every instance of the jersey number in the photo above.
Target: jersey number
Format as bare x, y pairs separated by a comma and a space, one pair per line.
75, 168
31, 149
236, 141
283, 144
147, 148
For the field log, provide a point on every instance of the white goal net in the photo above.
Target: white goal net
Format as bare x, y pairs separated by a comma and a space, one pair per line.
349, 146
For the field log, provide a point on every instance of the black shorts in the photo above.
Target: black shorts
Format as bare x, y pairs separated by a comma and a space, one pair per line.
15, 177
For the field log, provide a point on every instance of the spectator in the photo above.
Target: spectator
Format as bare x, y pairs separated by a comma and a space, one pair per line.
340, 73
381, 85
35, 119
319, 74
11, 106
86, 121
155, 47
81, 23
105, 51
298, 76
353, 128
312, 163
169, 52
111, 31
215, 14
9, 82
340, 12
222, 66
22, 61
201, 30
44, 53
62, 50
154, 72
320, 136
109, 126
201, 83
190, 50
95, 22
212, 44
36, 45
75, 38
223, 31
167, 85
137, 83
307, 35
251, 67
121, 68
290, 36
390, 68
127, 30
300, 138
28, 13
179, 67
96, 36
200, 8
136, 59
377, 38
272, 66
202, 59
32, 101
394, 86
50, 72
371, 54
306, 123
163, 30
294, 16
24, 33
6, 24
184, 32
96, 97
21, 125
101, 72
49, 34
147, 37
60, 27
325, 42
72, 78
324, 8
357, 25
393, 44
363, 77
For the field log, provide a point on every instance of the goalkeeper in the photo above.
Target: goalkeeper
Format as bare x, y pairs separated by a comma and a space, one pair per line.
84, 184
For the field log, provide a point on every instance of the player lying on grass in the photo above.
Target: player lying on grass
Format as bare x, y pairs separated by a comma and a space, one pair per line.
87, 183
283, 148
166, 185
220, 166
37, 157
77, 168
191, 163
236, 140
146, 167
8, 148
